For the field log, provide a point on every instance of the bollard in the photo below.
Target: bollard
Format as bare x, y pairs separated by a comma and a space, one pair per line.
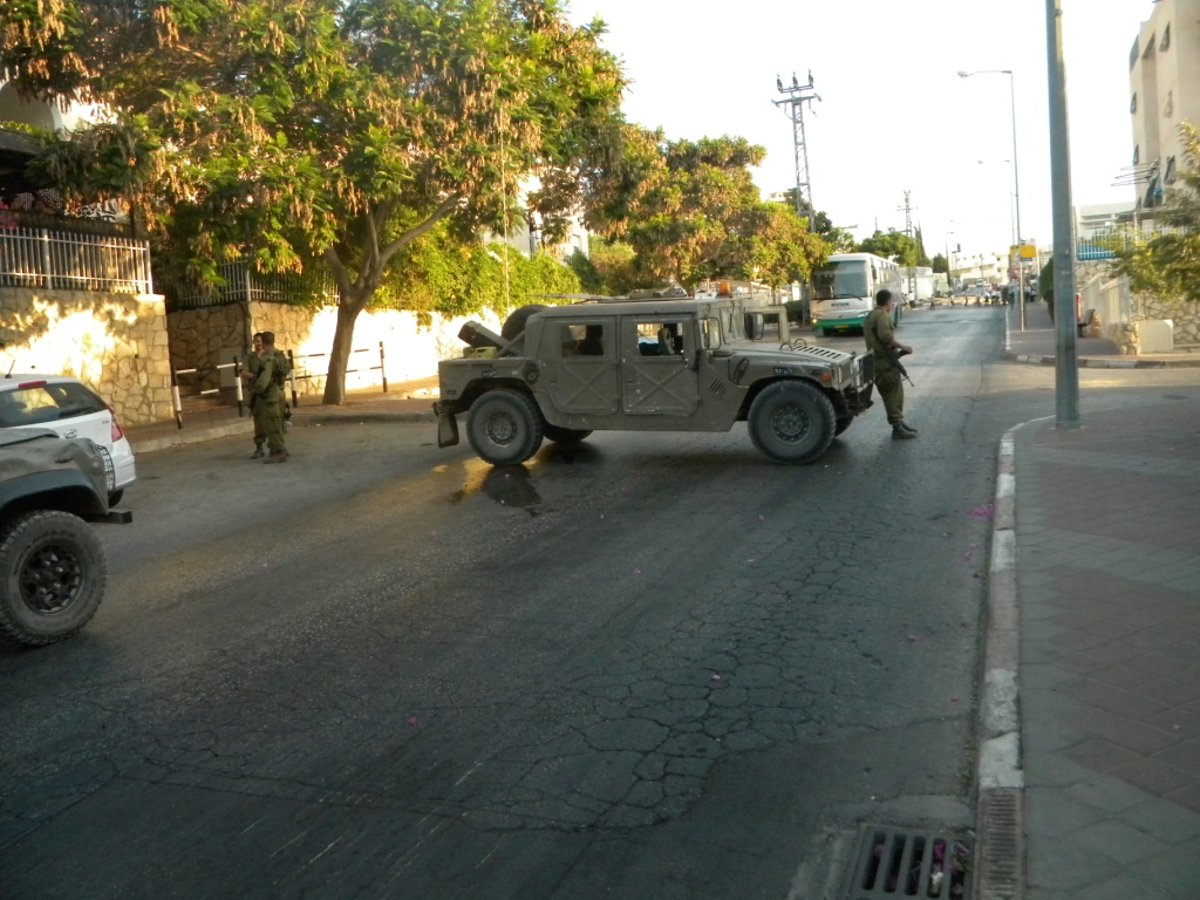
382, 370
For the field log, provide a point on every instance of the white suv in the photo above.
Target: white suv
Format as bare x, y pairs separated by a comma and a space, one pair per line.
71, 410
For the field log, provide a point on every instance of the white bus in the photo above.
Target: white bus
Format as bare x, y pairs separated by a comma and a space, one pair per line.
844, 290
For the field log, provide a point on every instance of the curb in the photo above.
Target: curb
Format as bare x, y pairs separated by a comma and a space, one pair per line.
1000, 811
182, 438
1092, 362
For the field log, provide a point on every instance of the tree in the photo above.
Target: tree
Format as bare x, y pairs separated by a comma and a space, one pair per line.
940, 263
892, 244
333, 132
1168, 264
690, 212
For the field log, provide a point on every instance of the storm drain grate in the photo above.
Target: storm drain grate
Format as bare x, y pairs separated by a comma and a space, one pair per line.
891, 862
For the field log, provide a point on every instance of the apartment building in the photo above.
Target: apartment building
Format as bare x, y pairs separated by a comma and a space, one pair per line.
1164, 84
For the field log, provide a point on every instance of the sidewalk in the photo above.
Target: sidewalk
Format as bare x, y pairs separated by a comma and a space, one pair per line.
408, 401
1037, 345
1106, 571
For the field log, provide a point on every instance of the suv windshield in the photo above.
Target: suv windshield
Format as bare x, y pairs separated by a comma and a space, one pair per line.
40, 402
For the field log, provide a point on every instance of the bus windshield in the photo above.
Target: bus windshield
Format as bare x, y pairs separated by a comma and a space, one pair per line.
841, 278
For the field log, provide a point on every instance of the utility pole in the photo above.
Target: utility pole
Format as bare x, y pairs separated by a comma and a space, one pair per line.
908, 229
795, 96
1066, 358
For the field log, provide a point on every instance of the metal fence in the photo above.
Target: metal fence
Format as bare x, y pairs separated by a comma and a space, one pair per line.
238, 282
41, 258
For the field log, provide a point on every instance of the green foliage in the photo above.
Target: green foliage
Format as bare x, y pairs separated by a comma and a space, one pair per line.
690, 212
585, 270
440, 273
940, 263
1168, 263
1046, 285
891, 244
616, 264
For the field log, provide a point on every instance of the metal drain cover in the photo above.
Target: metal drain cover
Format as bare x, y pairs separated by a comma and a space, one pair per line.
893, 862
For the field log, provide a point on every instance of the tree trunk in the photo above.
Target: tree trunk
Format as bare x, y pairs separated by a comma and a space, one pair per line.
339, 355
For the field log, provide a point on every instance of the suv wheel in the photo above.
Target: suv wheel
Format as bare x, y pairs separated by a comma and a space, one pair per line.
52, 577
791, 422
505, 427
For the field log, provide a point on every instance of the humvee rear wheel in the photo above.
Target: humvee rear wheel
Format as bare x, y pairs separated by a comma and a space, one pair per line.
52, 577
515, 323
791, 422
505, 427
565, 435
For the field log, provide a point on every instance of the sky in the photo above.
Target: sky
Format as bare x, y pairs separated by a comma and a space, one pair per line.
893, 114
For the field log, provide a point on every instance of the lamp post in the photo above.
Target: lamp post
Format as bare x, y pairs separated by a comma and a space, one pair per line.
1012, 98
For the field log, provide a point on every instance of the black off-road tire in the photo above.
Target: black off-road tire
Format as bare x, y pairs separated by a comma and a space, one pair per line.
515, 323
565, 435
505, 427
792, 422
53, 574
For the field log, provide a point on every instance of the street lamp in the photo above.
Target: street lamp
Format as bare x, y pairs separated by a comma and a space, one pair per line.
1012, 97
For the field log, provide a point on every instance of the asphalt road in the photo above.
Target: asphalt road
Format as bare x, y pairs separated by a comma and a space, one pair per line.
659, 666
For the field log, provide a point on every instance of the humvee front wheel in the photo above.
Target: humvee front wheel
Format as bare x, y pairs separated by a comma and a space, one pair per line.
505, 427
791, 422
52, 577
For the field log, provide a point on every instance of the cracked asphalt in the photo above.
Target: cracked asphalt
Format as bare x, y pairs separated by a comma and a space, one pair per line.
657, 666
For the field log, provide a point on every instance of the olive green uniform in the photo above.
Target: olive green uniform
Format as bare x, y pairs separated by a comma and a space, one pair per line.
878, 331
254, 367
268, 405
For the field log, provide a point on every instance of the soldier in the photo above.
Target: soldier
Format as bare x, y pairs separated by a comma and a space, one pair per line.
268, 394
249, 376
881, 341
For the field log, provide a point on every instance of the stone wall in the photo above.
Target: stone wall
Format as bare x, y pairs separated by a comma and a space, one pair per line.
1121, 311
114, 343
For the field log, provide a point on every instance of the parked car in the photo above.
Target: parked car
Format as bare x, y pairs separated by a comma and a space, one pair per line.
71, 410
53, 570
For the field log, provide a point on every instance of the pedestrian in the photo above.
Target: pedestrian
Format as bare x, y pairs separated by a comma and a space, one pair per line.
886, 350
268, 394
249, 376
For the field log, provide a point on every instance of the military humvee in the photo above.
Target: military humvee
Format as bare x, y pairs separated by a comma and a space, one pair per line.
647, 364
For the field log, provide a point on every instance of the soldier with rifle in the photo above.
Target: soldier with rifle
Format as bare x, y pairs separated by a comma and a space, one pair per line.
886, 350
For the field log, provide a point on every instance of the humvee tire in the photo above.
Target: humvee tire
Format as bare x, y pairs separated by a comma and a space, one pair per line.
515, 323
565, 435
505, 427
791, 422
52, 577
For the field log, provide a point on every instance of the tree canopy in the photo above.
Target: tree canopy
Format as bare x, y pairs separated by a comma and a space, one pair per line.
690, 212
297, 132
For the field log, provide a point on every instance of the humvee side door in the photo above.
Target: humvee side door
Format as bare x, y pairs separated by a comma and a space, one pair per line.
581, 357
658, 371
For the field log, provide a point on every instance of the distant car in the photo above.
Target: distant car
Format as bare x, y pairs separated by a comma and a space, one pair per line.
71, 410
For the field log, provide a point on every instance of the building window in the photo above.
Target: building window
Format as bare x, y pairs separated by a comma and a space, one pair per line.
1133, 103
1166, 39
1169, 106
1169, 175
1137, 152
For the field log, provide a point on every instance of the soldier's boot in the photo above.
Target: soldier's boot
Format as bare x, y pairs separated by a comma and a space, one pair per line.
899, 433
259, 453
908, 428
278, 457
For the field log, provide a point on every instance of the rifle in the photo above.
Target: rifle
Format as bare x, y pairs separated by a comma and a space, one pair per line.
894, 354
